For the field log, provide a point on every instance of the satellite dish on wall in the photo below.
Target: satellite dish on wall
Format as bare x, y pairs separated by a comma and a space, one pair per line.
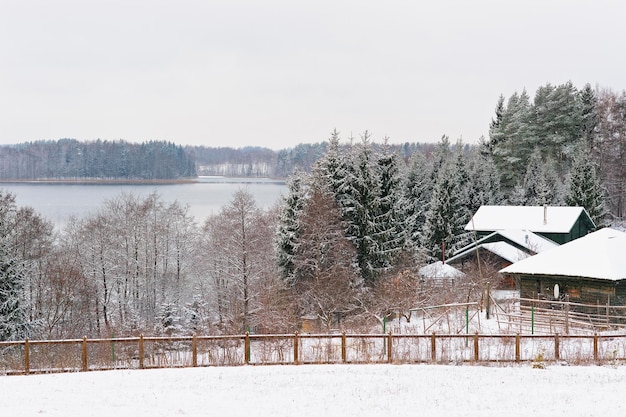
556, 291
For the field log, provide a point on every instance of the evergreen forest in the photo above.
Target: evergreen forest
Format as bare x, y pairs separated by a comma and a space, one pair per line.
343, 245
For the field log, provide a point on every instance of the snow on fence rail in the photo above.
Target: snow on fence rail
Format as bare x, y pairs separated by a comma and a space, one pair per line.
44, 356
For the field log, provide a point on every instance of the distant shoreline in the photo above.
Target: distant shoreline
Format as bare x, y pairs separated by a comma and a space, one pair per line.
98, 181
88, 181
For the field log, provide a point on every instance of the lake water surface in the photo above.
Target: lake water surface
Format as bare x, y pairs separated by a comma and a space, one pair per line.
57, 202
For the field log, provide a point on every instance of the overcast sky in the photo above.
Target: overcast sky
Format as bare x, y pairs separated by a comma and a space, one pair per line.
276, 73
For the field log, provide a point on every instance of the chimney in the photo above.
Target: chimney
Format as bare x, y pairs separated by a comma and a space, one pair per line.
545, 214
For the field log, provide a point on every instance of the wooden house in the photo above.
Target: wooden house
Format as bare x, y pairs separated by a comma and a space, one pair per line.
588, 270
559, 224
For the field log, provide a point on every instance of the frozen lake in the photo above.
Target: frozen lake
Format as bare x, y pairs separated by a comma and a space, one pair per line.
57, 202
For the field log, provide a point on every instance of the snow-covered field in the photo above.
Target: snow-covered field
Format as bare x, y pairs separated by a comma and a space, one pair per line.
322, 390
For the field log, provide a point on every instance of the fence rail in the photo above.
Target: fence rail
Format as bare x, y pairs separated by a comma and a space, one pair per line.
46, 356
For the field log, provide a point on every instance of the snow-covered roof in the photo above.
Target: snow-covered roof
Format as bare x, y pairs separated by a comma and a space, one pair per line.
505, 251
502, 249
599, 255
528, 240
537, 219
440, 270
525, 239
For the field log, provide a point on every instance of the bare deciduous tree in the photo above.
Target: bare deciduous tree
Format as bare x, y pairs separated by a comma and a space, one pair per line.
327, 281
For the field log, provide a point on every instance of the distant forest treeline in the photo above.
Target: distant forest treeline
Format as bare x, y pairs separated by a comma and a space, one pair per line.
263, 162
157, 160
73, 159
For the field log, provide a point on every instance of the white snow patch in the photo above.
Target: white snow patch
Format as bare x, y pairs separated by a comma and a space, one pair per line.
322, 390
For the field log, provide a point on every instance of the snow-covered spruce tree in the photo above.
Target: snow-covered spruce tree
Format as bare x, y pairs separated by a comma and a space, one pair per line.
462, 174
330, 168
484, 181
169, 320
289, 226
585, 188
496, 134
462, 184
417, 193
517, 196
535, 186
440, 158
445, 217
334, 172
13, 317
541, 183
358, 202
389, 232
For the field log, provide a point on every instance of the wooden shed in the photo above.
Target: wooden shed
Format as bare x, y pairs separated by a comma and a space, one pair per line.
439, 274
589, 270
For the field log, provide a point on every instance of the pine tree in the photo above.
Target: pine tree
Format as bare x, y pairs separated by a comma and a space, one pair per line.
557, 121
585, 189
589, 115
512, 140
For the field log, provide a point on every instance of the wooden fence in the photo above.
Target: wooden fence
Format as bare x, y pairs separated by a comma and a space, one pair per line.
44, 356
525, 315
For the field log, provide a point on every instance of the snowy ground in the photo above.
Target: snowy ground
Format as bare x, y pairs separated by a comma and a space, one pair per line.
322, 390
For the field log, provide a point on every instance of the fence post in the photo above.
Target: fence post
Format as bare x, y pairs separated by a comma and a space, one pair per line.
557, 355
343, 347
566, 314
26, 357
246, 347
487, 310
141, 364
433, 348
389, 358
295, 348
518, 349
194, 351
476, 347
84, 354
595, 347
